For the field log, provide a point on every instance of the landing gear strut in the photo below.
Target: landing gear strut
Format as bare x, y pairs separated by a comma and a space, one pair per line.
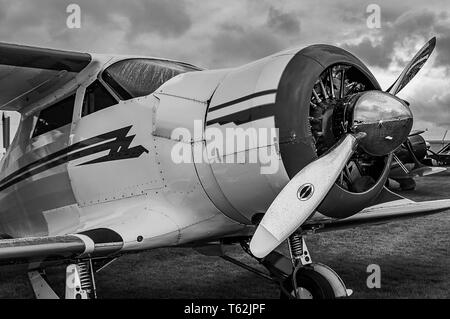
304, 282
80, 282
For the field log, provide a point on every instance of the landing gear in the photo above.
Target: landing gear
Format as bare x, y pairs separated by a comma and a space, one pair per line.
298, 276
305, 282
80, 282
308, 284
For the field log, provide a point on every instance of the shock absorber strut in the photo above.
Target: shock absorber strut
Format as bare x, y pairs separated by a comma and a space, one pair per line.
80, 281
299, 250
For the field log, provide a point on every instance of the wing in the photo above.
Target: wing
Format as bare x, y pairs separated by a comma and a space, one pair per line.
382, 213
94, 243
26, 73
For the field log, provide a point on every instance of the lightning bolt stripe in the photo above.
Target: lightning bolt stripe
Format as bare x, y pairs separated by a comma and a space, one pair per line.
117, 142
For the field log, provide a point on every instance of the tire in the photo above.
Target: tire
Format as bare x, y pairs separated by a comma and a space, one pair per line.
313, 285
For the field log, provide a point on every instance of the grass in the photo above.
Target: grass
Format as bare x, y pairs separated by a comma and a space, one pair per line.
414, 257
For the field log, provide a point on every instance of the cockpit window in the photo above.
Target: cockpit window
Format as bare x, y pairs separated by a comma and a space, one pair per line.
139, 77
55, 116
96, 98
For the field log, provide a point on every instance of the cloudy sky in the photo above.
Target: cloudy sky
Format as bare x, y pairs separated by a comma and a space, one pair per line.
217, 33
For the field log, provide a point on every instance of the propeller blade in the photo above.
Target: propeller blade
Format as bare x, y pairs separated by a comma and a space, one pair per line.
301, 196
416, 132
413, 67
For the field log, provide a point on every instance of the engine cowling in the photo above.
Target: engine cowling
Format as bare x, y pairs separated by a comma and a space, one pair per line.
286, 91
299, 95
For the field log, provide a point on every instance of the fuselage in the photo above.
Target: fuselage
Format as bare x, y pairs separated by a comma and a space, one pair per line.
103, 169
132, 151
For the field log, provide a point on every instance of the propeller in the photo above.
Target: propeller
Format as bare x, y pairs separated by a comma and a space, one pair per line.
413, 67
300, 198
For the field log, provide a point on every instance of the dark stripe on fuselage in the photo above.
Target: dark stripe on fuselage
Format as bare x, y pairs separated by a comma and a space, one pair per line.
245, 116
118, 147
242, 99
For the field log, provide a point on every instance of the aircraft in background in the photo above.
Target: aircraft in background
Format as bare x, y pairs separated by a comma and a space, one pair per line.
439, 152
91, 175
415, 158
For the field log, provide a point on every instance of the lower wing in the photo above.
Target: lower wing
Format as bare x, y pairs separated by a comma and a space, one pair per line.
98, 242
379, 214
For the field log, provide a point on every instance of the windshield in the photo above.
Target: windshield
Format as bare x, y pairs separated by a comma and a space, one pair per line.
140, 77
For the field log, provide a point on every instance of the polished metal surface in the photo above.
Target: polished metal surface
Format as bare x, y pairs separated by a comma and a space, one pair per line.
386, 119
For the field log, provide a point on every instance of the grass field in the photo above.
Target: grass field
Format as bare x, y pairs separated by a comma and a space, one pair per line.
414, 257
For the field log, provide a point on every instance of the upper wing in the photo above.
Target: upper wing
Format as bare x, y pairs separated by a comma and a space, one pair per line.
380, 214
26, 72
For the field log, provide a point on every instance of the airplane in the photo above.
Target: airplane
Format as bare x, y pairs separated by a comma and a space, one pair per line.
414, 159
90, 175
440, 155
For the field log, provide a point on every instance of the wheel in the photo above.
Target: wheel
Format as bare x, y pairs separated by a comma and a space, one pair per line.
310, 285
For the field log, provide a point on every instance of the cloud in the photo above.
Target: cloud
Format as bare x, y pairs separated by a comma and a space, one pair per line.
241, 45
372, 53
436, 110
382, 47
46, 19
443, 39
285, 23
169, 18
443, 58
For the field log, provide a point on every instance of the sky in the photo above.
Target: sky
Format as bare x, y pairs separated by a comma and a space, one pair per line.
217, 33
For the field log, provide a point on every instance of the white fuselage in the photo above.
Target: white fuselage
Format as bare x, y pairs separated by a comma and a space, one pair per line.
47, 189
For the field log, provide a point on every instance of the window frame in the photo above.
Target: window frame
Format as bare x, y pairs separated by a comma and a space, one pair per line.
84, 92
38, 113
